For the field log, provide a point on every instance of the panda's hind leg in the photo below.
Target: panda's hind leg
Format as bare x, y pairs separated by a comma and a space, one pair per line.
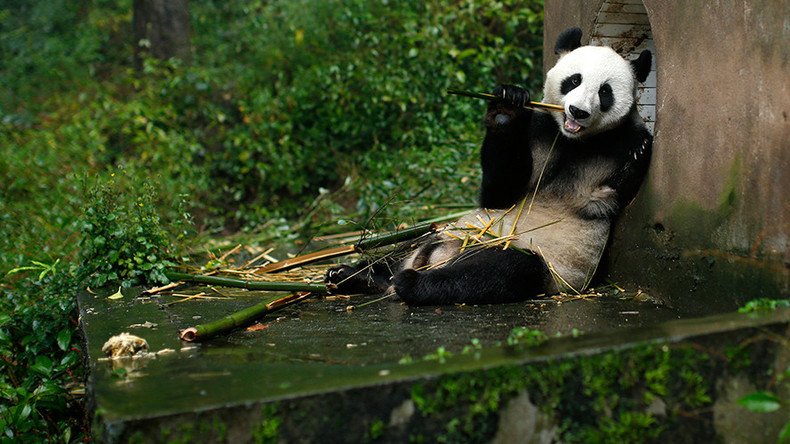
486, 276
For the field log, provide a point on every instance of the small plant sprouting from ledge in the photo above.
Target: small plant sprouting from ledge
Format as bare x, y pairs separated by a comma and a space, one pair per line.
527, 337
764, 304
122, 239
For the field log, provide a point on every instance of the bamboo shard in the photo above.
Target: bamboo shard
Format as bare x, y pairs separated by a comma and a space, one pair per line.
487, 96
309, 258
239, 319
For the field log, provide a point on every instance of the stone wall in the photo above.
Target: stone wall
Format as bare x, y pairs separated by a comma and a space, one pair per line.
710, 227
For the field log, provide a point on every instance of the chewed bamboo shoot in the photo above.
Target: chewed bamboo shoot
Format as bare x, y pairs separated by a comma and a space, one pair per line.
239, 319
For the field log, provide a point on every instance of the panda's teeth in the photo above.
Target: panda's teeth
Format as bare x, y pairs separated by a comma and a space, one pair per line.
571, 125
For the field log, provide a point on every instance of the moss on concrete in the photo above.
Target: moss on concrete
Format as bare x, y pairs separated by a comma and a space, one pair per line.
268, 429
625, 396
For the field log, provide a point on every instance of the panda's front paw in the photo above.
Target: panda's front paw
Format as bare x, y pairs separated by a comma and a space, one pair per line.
512, 95
509, 103
338, 278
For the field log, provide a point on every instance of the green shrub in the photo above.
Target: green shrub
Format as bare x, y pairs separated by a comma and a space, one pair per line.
318, 110
354, 86
122, 239
282, 99
40, 368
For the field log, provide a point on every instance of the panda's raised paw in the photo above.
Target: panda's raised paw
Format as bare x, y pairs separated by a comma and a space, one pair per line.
512, 95
507, 106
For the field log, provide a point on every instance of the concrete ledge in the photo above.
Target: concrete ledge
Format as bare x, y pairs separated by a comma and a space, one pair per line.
327, 377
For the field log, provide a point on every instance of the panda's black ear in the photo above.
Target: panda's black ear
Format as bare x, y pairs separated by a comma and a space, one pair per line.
641, 66
568, 40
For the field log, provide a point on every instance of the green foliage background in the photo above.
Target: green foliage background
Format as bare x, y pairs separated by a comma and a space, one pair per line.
292, 114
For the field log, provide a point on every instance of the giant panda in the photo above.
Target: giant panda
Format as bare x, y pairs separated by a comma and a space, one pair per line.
552, 186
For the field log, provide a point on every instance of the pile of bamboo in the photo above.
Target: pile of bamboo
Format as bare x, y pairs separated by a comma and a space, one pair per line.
295, 275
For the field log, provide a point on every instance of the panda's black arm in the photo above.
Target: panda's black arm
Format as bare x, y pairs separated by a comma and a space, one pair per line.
631, 175
505, 157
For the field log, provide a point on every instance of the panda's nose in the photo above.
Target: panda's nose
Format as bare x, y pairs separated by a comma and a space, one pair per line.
577, 113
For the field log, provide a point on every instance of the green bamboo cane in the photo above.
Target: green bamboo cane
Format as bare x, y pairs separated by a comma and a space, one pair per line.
239, 319
249, 285
395, 237
413, 232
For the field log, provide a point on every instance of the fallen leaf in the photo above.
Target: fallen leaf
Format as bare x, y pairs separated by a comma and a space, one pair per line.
257, 327
760, 402
116, 295
156, 290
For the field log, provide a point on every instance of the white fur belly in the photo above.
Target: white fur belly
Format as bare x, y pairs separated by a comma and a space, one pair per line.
570, 246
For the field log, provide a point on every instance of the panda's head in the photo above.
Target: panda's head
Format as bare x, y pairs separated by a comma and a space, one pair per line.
595, 85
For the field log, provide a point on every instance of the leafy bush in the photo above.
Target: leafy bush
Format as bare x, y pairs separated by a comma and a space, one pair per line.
40, 371
122, 240
283, 98
344, 79
289, 108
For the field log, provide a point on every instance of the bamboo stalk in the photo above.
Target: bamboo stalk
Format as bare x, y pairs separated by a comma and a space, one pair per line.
249, 285
239, 319
394, 237
515, 221
542, 169
348, 234
487, 96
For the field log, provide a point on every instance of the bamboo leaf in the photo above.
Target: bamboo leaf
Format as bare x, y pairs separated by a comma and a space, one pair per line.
307, 259
784, 435
64, 339
43, 365
760, 402
18, 269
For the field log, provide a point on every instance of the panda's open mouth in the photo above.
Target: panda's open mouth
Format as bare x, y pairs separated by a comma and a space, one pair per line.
571, 125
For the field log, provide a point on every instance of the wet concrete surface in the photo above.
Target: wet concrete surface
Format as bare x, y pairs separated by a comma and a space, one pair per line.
321, 347
323, 331
314, 346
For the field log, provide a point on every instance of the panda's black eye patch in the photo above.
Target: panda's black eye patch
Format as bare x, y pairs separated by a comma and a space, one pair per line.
570, 83
606, 96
